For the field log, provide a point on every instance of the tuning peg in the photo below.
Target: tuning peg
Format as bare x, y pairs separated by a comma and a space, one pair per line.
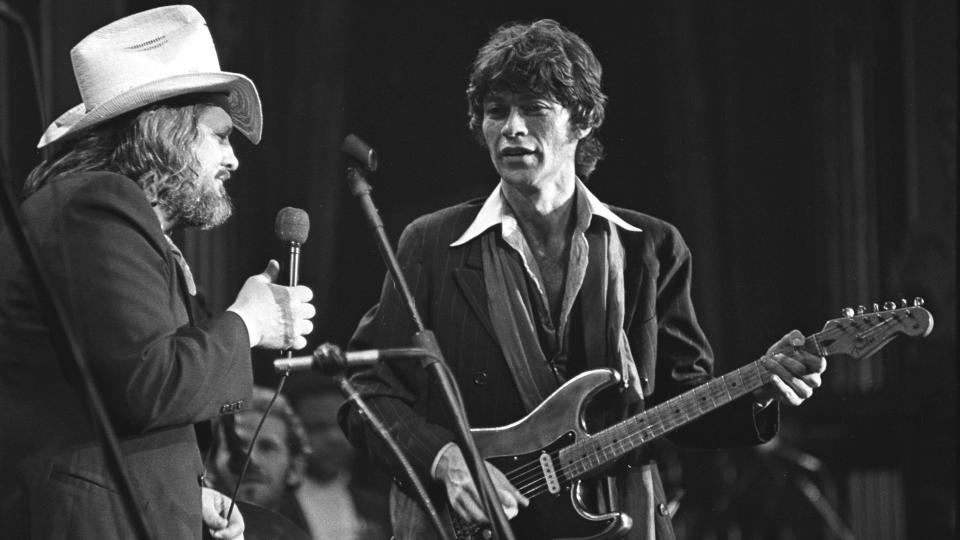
903, 302
917, 302
847, 312
876, 307
889, 305
861, 310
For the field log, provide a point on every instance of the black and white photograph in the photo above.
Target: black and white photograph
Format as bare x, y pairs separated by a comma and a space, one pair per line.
528, 270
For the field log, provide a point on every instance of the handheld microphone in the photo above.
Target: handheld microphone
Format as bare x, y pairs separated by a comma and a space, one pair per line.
330, 360
292, 227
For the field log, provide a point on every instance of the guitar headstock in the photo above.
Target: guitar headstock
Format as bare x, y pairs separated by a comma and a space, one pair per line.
861, 333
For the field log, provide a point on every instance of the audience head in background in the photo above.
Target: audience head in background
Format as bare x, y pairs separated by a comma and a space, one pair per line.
278, 459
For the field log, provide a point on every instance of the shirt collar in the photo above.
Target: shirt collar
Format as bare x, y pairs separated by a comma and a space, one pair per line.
495, 211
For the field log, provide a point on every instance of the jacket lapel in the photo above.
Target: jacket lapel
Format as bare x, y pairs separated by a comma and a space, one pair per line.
632, 275
469, 278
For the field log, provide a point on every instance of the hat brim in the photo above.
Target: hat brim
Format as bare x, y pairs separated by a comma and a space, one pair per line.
243, 100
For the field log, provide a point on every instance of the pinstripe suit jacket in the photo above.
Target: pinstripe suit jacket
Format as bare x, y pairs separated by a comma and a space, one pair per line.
158, 368
670, 350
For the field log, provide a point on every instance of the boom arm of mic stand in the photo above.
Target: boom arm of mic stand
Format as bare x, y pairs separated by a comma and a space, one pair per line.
425, 339
361, 190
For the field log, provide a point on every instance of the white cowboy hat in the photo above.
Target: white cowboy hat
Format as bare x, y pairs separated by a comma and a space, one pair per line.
148, 57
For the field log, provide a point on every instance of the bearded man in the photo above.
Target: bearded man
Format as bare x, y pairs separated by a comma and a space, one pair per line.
148, 152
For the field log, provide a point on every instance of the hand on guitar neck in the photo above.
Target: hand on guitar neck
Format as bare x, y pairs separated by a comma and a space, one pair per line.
453, 472
791, 372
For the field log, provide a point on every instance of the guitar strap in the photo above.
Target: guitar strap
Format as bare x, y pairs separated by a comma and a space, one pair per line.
513, 322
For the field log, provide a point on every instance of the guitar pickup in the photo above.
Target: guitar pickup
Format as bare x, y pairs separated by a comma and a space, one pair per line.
549, 473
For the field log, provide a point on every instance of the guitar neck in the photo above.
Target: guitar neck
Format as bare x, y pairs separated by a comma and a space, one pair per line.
613, 442
855, 335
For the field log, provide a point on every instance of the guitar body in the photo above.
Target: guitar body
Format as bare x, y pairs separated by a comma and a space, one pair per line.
556, 423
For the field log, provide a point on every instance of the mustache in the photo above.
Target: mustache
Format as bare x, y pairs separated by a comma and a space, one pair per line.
254, 475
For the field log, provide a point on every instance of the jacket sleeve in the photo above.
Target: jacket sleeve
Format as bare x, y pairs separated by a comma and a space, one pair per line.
397, 392
153, 367
685, 360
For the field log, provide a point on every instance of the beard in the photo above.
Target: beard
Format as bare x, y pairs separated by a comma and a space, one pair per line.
202, 204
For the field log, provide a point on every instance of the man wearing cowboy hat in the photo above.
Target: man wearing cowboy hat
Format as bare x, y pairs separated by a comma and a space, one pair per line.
147, 152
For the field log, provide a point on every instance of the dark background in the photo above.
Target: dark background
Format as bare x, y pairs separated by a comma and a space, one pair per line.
805, 149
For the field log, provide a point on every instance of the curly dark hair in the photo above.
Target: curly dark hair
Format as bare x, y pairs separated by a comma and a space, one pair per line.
546, 59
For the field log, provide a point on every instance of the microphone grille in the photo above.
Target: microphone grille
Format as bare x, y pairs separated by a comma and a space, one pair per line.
292, 225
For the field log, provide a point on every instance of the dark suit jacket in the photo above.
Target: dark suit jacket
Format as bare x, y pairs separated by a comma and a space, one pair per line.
158, 369
669, 348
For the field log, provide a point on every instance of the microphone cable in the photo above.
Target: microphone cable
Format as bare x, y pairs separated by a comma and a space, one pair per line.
253, 441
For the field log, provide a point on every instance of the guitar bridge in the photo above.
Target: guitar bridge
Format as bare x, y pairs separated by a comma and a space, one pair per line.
549, 473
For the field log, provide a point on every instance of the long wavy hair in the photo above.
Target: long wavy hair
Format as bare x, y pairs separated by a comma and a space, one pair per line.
546, 59
152, 146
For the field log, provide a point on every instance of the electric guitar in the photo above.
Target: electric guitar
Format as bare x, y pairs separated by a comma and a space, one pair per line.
548, 453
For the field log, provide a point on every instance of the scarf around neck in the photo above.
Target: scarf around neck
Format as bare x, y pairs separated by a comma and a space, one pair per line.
602, 304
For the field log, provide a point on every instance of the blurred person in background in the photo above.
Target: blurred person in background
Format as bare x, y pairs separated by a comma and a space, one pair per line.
276, 464
343, 495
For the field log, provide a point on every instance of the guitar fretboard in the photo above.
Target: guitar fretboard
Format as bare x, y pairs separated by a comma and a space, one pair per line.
615, 441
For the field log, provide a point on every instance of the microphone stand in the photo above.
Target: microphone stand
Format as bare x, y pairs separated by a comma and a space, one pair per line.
70, 348
426, 339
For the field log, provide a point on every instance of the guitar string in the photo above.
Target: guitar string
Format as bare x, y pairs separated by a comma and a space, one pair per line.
533, 467
876, 327
751, 383
651, 431
537, 487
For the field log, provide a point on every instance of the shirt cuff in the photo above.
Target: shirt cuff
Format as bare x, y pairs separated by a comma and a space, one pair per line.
436, 459
246, 323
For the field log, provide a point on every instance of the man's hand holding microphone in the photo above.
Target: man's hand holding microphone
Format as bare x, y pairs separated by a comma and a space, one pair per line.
277, 316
